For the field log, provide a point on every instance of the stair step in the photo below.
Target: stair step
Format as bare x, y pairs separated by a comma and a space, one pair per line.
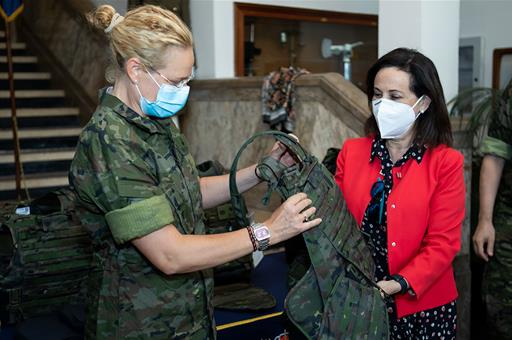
34, 181
34, 98
6, 134
14, 46
26, 80
20, 67
43, 155
20, 59
40, 143
37, 167
2, 34
18, 49
21, 63
27, 76
41, 112
21, 94
26, 84
41, 122
37, 161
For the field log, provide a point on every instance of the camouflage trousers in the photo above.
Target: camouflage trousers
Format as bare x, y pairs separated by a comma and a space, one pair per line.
497, 282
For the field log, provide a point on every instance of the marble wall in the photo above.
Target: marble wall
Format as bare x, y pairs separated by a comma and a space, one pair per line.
222, 114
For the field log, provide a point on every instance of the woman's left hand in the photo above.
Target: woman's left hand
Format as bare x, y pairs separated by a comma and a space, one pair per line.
281, 153
390, 287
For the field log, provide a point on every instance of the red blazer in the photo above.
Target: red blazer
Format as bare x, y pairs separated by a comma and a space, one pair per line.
425, 211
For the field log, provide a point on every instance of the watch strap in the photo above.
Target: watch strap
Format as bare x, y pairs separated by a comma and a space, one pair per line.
403, 283
253, 238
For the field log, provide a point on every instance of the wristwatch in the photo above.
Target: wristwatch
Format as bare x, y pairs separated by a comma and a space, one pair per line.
261, 234
404, 285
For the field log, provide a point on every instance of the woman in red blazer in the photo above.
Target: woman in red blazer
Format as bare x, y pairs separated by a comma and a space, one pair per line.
404, 185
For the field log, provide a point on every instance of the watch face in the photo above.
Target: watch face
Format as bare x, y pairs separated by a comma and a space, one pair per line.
261, 233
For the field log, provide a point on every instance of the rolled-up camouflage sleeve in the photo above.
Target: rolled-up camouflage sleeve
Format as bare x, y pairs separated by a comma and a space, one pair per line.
113, 177
496, 147
139, 218
499, 139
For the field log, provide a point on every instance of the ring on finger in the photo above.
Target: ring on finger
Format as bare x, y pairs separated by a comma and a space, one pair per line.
305, 219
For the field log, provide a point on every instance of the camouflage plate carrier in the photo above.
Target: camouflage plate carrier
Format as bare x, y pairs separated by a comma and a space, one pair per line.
336, 298
45, 257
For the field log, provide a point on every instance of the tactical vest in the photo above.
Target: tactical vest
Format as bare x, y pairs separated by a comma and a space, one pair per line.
45, 257
336, 298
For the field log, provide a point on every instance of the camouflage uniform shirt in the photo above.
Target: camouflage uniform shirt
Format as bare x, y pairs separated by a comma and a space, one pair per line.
133, 175
497, 291
499, 143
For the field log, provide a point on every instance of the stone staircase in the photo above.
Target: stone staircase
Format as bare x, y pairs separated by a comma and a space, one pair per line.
48, 126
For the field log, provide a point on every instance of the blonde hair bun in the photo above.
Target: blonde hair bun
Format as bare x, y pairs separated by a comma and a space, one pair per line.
101, 17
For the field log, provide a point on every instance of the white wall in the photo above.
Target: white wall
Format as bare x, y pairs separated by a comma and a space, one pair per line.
212, 24
119, 5
491, 20
431, 27
201, 17
440, 41
397, 27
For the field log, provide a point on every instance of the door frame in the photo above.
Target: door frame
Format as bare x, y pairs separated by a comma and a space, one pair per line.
497, 55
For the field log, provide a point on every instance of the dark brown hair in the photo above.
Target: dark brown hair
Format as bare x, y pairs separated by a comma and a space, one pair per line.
433, 126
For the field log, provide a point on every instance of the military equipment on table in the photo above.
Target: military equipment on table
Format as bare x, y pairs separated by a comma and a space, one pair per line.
45, 256
242, 296
232, 279
336, 298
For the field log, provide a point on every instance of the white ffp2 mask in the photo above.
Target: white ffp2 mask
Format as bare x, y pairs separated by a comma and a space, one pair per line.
393, 118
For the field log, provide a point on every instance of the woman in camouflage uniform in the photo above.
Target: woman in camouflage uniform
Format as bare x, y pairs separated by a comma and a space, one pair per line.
141, 196
492, 240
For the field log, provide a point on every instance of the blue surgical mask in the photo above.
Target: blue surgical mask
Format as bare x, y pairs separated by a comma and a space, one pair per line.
170, 100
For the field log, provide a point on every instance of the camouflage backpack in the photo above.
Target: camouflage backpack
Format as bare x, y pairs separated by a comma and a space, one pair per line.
336, 298
45, 256
233, 289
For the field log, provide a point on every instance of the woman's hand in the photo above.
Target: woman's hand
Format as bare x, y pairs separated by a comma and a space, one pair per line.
291, 218
483, 240
390, 287
280, 152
